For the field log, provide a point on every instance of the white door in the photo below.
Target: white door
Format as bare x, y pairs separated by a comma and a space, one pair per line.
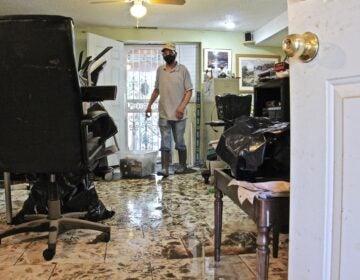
325, 148
112, 74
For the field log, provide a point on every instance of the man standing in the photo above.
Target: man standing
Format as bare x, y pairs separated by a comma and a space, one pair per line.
174, 86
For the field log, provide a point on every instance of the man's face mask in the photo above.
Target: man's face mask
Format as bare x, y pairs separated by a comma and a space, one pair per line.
169, 56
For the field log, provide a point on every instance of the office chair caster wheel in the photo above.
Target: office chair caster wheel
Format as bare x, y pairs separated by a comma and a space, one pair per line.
48, 254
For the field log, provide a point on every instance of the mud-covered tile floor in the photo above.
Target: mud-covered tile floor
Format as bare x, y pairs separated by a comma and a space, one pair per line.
162, 229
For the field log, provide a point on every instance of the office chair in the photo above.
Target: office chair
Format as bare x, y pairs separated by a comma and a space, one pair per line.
43, 128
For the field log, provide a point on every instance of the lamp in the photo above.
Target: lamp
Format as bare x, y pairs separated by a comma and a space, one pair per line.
138, 10
229, 24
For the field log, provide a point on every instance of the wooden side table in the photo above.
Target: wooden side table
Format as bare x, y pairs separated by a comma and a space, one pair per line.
268, 212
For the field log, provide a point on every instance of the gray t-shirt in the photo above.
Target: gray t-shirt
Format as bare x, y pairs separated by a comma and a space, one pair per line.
172, 87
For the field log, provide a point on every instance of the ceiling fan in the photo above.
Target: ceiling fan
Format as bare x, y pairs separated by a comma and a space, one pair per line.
166, 2
138, 10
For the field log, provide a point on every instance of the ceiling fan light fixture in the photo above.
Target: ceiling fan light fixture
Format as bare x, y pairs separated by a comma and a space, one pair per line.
138, 10
229, 24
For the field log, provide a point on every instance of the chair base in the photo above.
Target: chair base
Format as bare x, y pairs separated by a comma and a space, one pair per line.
68, 221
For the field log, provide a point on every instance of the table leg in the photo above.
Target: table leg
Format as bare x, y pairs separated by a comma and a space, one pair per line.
8, 204
218, 223
275, 233
262, 253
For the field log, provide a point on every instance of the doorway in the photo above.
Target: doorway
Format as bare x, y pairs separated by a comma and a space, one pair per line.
142, 61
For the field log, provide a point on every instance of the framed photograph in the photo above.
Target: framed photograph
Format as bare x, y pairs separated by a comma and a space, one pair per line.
217, 58
249, 66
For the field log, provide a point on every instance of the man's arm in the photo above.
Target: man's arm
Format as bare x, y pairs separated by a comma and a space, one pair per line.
181, 108
153, 97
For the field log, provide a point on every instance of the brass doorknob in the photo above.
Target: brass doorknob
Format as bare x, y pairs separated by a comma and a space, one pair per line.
302, 46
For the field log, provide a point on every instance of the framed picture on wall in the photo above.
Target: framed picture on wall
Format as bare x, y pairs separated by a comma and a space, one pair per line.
249, 66
217, 58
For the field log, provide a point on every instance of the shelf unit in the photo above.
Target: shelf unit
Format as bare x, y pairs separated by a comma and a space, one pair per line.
274, 91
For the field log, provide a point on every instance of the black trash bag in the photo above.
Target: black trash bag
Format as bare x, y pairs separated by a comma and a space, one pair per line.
86, 199
77, 194
103, 127
256, 147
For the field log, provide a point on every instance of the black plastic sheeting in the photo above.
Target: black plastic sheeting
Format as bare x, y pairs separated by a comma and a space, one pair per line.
256, 147
105, 126
77, 194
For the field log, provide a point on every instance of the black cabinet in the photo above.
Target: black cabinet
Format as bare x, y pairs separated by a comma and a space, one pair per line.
272, 99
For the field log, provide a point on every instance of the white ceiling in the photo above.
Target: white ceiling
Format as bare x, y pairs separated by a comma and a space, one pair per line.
248, 15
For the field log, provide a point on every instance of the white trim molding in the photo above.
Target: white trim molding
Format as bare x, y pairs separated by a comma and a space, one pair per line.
336, 94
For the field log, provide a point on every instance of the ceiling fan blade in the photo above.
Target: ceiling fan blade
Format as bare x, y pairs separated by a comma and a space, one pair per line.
105, 2
168, 2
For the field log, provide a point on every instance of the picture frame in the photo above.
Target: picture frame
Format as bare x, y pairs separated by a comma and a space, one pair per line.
216, 58
248, 66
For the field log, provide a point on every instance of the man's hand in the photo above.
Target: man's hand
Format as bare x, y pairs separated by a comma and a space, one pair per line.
179, 113
148, 112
